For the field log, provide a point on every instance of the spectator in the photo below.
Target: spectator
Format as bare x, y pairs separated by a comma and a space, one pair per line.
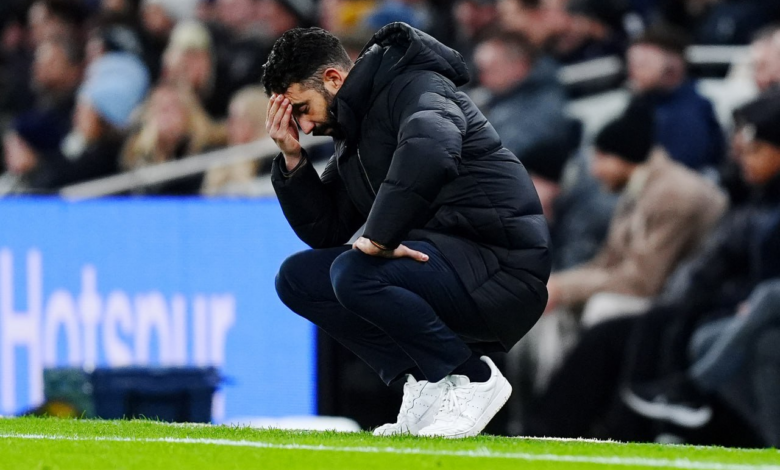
158, 18
57, 72
241, 43
474, 19
113, 38
49, 19
764, 67
116, 84
173, 125
526, 102
277, 16
570, 31
541, 24
189, 61
743, 255
246, 123
126, 10
593, 29
16, 57
686, 123
720, 21
664, 211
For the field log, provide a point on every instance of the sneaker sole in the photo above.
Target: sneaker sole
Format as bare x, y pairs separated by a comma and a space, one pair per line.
495, 405
675, 414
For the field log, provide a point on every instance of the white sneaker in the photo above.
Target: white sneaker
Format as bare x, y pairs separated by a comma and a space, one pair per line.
419, 405
468, 407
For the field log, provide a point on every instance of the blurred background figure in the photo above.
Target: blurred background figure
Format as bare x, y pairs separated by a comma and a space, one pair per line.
158, 18
116, 84
246, 123
172, 125
686, 123
56, 74
719, 21
525, 102
474, 19
190, 62
55, 18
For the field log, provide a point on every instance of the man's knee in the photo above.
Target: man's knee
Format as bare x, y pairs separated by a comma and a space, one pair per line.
350, 275
292, 278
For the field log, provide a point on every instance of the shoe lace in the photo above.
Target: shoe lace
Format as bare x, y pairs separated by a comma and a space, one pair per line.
451, 401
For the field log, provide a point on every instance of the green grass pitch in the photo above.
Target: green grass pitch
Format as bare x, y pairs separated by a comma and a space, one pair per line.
52, 444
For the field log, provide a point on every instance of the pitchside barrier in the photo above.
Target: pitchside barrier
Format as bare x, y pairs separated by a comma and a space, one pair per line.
152, 282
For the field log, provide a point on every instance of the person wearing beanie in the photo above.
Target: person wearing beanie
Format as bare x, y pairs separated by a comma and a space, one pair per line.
115, 84
663, 213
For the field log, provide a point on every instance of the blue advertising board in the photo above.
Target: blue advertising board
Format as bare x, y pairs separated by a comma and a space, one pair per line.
120, 282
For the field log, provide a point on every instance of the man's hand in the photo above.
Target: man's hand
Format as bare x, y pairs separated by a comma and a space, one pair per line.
364, 244
282, 129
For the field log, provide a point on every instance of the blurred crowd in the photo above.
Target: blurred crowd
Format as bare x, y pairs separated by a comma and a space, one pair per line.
664, 314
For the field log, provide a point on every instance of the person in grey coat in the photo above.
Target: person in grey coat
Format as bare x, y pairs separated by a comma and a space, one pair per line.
526, 101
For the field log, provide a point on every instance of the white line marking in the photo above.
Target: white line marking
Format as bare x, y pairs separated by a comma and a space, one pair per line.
478, 453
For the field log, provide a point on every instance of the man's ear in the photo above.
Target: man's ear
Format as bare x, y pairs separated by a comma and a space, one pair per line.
333, 79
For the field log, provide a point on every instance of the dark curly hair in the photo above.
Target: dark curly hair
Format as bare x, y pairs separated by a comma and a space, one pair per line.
300, 55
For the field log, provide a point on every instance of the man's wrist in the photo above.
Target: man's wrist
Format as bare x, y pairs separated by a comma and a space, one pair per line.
288, 169
380, 246
292, 161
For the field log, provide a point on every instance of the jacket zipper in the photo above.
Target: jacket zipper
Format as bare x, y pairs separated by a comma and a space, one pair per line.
365, 173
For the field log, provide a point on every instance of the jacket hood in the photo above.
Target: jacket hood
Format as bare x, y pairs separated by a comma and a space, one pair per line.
419, 52
394, 50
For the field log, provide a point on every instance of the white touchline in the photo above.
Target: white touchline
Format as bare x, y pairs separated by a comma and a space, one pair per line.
478, 453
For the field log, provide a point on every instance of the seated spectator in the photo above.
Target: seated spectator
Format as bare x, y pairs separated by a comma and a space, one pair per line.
571, 31
113, 38
16, 56
474, 19
277, 16
720, 21
593, 29
744, 254
57, 72
173, 125
189, 62
526, 102
50, 19
241, 44
158, 18
765, 58
686, 123
664, 212
541, 24
585, 396
578, 211
246, 123
116, 84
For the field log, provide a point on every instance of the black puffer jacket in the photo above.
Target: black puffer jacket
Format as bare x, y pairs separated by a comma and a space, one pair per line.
420, 162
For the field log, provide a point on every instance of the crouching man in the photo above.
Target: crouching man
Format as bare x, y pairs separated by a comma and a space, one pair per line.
453, 259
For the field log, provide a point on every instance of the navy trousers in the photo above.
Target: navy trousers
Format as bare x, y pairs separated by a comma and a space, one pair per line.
398, 315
